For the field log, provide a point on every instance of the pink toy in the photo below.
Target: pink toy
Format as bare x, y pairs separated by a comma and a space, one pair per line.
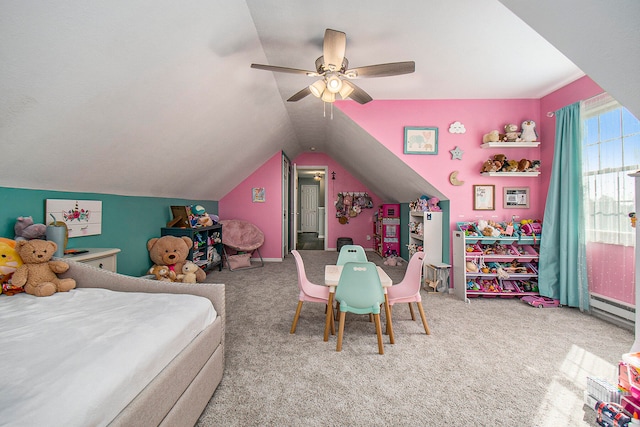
432, 204
540, 301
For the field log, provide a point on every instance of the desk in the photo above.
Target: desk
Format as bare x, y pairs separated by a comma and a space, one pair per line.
331, 279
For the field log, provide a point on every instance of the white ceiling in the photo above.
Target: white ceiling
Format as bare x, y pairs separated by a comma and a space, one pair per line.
156, 98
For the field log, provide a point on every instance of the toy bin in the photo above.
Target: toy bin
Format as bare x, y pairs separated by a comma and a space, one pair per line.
527, 251
632, 361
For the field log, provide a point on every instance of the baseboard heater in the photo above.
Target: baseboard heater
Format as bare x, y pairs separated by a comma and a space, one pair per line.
614, 311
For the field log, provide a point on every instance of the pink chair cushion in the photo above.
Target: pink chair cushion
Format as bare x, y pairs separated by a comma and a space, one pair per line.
241, 235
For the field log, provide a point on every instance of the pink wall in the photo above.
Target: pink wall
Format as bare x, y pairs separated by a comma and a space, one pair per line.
385, 120
267, 216
359, 227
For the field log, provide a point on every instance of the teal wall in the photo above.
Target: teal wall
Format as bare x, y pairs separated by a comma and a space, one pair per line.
127, 222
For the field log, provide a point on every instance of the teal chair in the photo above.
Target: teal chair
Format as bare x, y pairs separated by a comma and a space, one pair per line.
359, 291
351, 253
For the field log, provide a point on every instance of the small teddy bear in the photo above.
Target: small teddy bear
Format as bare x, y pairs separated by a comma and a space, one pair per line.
162, 273
511, 133
173, 252
38, 274
188, 273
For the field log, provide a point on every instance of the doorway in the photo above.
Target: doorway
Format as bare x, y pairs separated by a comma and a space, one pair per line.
310, 207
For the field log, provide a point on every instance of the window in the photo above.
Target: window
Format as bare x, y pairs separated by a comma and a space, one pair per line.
610, 151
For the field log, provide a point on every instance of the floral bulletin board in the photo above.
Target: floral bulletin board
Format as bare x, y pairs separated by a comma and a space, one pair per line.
82, 217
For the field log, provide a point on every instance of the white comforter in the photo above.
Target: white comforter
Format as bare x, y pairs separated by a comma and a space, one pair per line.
78, 358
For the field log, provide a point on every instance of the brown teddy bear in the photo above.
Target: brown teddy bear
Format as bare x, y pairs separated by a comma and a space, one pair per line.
163, 273
37, 275
173, 252
488, 166
511, 133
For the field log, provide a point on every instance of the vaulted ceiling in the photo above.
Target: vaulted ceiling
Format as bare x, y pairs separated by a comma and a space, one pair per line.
156, 98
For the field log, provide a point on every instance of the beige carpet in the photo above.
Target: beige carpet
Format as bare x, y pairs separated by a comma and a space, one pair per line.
493, 362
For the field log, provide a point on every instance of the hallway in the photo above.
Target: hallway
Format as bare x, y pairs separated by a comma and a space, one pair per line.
310, 241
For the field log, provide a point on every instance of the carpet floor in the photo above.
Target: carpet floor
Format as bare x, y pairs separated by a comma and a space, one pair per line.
492, 362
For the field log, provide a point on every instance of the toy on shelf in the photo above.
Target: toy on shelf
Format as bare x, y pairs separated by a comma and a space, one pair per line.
528, 133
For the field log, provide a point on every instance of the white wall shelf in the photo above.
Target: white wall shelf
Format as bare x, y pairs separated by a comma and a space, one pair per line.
527, 174
502, 144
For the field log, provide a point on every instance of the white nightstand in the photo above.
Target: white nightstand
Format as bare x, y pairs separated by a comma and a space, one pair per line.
105, 258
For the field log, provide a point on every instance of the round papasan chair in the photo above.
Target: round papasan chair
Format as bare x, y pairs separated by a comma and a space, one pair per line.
240, 239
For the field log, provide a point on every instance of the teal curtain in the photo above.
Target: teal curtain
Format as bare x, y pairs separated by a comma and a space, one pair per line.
562, 272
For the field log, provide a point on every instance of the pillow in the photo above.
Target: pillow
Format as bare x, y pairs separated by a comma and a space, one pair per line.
239, 261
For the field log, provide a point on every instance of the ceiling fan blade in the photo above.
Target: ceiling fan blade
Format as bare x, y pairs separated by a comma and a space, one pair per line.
333, 49
358, 95
298, 96
382, 70
284, 69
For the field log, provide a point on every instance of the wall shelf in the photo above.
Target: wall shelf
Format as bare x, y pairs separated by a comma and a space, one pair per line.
502, 144
527, 174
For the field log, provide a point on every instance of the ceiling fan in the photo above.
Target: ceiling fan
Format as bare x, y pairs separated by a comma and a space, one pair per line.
336, 76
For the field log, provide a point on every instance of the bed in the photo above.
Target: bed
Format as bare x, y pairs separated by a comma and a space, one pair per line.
117, 351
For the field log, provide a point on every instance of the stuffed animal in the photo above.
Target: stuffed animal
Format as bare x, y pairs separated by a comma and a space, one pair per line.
433, 204
493, 136
511, 133
172, 251
528, 131
9, 263
488, 166
38, 274
510, 166
393, 261
205, 221
524, 165
163, 273
25, 229
498, 161
188, 275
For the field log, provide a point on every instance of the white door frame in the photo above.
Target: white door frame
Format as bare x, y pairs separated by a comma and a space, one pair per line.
294, 197
286, 164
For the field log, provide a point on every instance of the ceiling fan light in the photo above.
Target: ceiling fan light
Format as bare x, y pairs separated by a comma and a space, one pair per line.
334, 84
317, 88
328, 96
346, 90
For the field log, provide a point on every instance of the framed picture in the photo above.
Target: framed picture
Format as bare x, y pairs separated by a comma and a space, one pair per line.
82, 217
484, 197
257, 194
516, 197
420, 140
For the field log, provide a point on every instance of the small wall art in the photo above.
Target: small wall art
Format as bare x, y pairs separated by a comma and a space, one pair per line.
258, 194
82, 217
516, 197
484, 197
420, 140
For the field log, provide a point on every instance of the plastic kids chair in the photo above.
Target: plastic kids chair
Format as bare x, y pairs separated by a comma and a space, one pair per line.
351, 253
309, 292
408, 290
359, 291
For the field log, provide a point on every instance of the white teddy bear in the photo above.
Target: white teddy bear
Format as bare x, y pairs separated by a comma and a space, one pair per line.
188, 273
